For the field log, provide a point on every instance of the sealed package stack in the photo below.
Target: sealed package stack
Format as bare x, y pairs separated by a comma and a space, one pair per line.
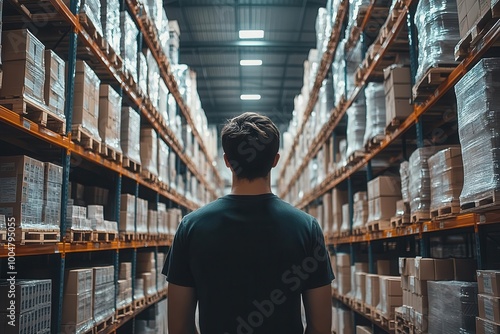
172, 167
383, 194
174, 219
103, 292
372, 290
127, 213
174, 42
153, 78
163, 100
110, 20
356, 124
323, 30
142, 216
142, 73
23, 67
452, 307
488, 301
391, 295
404, 173
375, 113
338, 199
360, 283
77, 310
354, 58
124, 287
152, 222
149, 151
55, 83
86, 103
163, 228
160, 278
128, 44
343, 274
163, 151
397, 88
139, 288
438, 33
154, 9
91, 9
360, 211
338, 73
327, 214
110, 103
32, 308
52, 194
420, 183
346, 220
477, 107
130, 138
76, 218
96, 215
470, 11
447, 175
356, 7
355, 293
22, 191
146, 270
342, 320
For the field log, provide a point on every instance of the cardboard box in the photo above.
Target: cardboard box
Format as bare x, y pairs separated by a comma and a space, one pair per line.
489, 282
21, 44
382, 208
486, 327
77, 308
489, 308
55, 83
405, 282
396, 75
396, 108
109, 116
417, 286
390, 285
424, 269
363, 330
421, 321
420, 303
343, 260
78, 281
372, 290
86, 99
384, 186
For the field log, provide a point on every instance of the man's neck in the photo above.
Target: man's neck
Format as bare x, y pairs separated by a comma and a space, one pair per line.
255, 187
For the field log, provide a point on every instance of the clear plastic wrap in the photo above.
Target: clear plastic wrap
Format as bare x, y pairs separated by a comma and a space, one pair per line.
338, 72
404, 172
372, 289
375, 111
86, 99
142, 72
346, 219
163, 100
123, 293
447, 175
322, 35
452, 307
130, 137
338, 199
139, 288
110, 103
153, 222
174, 219
355, 8
3, 226
153, 78
478, 129
356, 124
128, 43
163, 151
360, 283
438, 33
163, 227
104, 301
420, 183
127, 213
91, 8
391, 295
76, 218
110, 19
360, 213
96, 215
164, 34
55, 83
354, 58
142, 216
52, 195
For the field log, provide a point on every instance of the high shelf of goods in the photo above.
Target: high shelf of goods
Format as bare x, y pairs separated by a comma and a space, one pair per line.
374, 153
104, 146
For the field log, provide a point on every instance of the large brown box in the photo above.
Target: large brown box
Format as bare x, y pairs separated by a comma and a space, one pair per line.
488, 282
55, 83
384, 186
372, 290
486, 327
86, 99
489, 307
110, 105
78, 281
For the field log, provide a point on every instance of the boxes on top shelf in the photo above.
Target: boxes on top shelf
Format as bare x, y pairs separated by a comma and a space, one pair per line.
110, 20
55, 82
397, 88
92, 10
469, 13
110, 103
384, 186
128, 43
142, 72
375, 113
153, 78
86, 100
130, 138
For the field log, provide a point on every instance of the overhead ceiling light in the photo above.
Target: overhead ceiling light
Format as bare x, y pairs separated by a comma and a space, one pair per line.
250, 62
251, 34
250, 97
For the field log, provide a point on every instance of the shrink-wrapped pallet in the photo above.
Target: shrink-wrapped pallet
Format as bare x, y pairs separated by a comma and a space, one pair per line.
338, 199
356, 124
356, 7
153, 222
163, 228
375, 111
438, 33
55, 83
110, 103
142, 72
127, 213
447, 175
478, 124
128, 43
322, 35
52, 195
129, 134
110, 19
346, 219
142, 216
162, 158
404, 172
149, 150
86, 99
354, 58
391, 295
452, 307
153, 78
338, 72
360, 210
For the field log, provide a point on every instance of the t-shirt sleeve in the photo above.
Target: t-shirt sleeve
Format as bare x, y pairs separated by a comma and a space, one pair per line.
323, 274
176, 266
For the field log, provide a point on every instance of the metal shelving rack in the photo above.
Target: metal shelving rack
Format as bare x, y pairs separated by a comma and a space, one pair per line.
415, 237
79, 42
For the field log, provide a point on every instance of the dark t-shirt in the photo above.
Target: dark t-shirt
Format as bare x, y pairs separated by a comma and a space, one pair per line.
249, 258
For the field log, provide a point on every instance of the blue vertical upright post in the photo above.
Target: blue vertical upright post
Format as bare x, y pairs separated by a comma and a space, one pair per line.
369, 171
350, 194
136, 194
479, 253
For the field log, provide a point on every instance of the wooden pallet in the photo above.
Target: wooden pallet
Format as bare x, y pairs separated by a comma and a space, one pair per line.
447, 210
111, 153
388, 323
37, 236
3, 237
85, 138
104, 236
433, 77
359, 230
345, 234
142, 236
378, 225
400, 221
127, 236
139, 303
355, 157
476, 33
91, 30
487, 202
79, 236
393, 125
103, 325
419, 217
36, 112
149, 176
151, 299
366, 310
374, 142
131, 165
358, 305
124, 311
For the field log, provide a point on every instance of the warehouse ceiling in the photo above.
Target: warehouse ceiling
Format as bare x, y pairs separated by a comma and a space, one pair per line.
210, 45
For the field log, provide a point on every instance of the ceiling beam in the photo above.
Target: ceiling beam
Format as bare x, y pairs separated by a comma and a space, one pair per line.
230, 3
257, 77
264, 64
302, 47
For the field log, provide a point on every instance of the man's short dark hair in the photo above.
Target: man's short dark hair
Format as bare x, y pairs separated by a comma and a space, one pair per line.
250, 142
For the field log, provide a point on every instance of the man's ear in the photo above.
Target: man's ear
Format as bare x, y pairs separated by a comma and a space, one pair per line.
226, 161
276, 159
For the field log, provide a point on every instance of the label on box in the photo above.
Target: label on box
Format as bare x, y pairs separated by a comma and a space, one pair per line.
7, 167
9, 188
488, 309
488, 288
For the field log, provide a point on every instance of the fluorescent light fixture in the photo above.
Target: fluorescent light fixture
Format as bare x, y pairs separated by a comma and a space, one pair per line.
251, 34
250, 62
247, 97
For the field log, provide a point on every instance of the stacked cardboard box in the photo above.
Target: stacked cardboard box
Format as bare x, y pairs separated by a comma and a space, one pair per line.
338, 200
127, 213
383, 194
163, 100
391, 295
124, 288
342, 320
469, 13
488, 321
32, 308
22, 190
77, 312
343, 273
327, 213
360, 212
397, 88
153, 222
372, 290
447, 177
130, 138
142, 72
23, 66
96, 215
109, 116
163, 228
163, 151
346, 219
356, 124
139, 288
76, 218
110, 20
142, 216
149, 150
86, 99
358, 291
55, 83
160, 278
375, 111
146, 270
103, 293
153, 78
174, 41
52, 193
128, 44
174, 219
